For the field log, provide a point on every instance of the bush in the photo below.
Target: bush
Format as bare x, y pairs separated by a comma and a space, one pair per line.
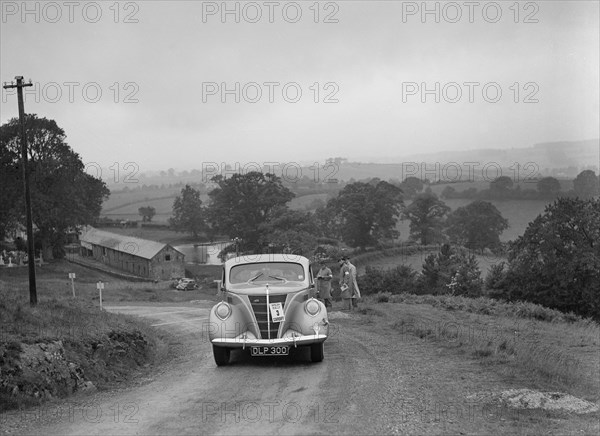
451, 271
392, 281
495, 281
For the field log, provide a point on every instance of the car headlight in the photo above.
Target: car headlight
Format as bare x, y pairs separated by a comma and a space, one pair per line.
223, 310
312, 307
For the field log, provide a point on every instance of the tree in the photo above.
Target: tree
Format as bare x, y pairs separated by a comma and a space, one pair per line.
556, 262
63, 195
586, 184
451, 271
188, 213
291, 231
476, 226
501, 187
548, 187
365, 214
147, 213
241, 203
426, 214
448, 192
411, 186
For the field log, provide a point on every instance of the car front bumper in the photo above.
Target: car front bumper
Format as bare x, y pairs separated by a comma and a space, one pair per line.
241, 342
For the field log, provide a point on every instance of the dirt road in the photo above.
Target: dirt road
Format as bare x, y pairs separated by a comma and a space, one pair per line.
372, 381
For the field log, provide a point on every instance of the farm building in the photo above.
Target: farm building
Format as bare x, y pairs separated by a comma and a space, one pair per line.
151, 259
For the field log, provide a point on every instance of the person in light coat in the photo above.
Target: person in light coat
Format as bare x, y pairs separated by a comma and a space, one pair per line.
324, 277
348, 284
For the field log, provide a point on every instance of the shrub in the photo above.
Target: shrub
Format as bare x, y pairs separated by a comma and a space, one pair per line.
392, 281
495, 281
451, 271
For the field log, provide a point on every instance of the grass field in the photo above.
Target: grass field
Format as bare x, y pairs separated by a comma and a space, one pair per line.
307, 202
557, 354
415, 261
519, 214
53, 283
124, 205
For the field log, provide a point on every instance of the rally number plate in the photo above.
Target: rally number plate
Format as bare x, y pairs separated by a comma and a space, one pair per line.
270, 351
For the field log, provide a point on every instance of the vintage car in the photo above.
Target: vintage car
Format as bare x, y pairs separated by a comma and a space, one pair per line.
266, 307
186, 285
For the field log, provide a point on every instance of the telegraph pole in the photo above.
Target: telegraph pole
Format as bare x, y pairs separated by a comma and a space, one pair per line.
24, 163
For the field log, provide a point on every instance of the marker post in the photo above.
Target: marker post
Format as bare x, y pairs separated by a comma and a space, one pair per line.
72, 277
100, 286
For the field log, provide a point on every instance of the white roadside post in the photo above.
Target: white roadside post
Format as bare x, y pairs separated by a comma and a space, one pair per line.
100, 286
72, 277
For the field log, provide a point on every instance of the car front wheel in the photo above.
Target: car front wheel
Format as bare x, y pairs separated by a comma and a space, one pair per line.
317, 352
221, 355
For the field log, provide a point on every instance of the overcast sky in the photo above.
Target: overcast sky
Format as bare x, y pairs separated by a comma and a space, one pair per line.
161, 69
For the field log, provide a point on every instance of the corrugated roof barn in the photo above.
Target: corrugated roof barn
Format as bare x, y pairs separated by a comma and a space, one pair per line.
134, 255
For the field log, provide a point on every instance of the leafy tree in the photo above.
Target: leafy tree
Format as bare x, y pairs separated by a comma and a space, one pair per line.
411, 186
241, 203
476, 226
291, 231
63, 195
451, 271
426, 214
556, 262
548, 187
365, 213
501, 187
188, 213
147, 213
495, 280
586, 184
448, 192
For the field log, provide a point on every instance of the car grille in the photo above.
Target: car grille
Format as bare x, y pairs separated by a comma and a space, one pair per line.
259, 305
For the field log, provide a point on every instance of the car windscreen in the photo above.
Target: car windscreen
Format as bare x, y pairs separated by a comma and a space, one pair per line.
267, 272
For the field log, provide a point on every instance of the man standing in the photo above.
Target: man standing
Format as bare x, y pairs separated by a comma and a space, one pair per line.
348, 284
353, 275
324, 277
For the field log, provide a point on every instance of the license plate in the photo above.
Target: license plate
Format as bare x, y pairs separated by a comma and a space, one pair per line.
270, 351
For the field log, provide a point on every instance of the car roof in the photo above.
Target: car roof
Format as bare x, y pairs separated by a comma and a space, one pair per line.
269, 257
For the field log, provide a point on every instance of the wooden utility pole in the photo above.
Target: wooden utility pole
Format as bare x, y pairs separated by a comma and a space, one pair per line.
24, 163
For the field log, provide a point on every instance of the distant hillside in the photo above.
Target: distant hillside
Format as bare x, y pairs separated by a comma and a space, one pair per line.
560, 154
562, 159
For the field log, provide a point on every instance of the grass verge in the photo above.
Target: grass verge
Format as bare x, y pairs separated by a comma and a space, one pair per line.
542, 347
56, 347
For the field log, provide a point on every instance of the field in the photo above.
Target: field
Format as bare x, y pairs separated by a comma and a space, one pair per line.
518, 212
415, 261
308, 202
125, 205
